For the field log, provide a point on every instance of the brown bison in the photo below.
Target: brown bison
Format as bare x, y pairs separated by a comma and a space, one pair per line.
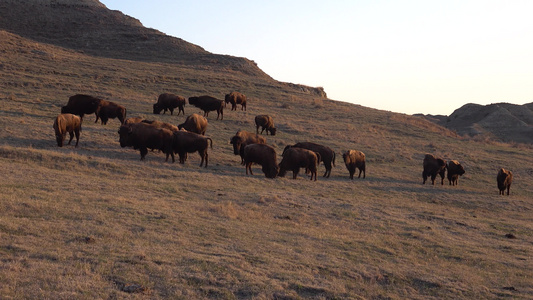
266, 123
263, 155
194, 123
355, 159
504, 179
110, 110
433, 166
455, 169
168, 101
295, 158
327, 155
185, 142
243, 138
160, 124
67, 123
143, 136
81, 104
207, 104
235, 98
133, 120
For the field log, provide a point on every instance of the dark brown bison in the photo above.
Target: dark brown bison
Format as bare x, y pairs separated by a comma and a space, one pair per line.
433, 166
67, 123
143, 136
327, 155
110, 110
354, 159
189, 142
195, 123
455, 169
263, 155
266, 123
235, 98
168, 101
504, 179
133, 120
295, 158
243, 138
81, 105
207, 104
160, 124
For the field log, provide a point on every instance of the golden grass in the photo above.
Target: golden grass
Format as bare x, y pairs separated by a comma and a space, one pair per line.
96, 222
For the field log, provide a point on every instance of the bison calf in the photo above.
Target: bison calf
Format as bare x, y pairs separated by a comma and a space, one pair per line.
143, 136
295, 158
263, 155
455, 169
504, 179
235, 98
354, 159
110, 110
67, 123
433, 166
194, 123
266, 123
169, 102
185, 142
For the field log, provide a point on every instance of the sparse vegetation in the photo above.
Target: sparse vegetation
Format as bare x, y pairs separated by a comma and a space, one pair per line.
95, 222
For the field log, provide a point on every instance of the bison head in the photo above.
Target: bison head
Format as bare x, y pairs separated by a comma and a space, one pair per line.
157, 109
60, 139
271, 171
237, 144
125, 133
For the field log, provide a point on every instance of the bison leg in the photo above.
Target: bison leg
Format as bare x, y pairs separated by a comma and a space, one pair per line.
143, 151
77, 132
71, 133
249, 167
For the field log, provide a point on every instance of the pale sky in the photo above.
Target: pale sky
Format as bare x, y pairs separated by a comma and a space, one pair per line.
412, 56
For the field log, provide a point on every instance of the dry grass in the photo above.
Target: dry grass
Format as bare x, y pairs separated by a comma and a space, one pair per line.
95, 222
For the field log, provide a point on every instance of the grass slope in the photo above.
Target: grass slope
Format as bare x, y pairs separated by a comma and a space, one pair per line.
96, 222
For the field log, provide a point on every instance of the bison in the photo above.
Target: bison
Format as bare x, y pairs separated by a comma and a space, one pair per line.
263, 155
143, 136
81, 104
110, 110
168, 101
266, 123
295, 158
160, 124
207, 104
67, 123
327, 155
185, 142
235, 98
355, 159
133, 120
433, 166
194, 123
243, 138
455, 169
504, 179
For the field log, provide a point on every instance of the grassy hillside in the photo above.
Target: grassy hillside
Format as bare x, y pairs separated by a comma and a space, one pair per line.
96, 222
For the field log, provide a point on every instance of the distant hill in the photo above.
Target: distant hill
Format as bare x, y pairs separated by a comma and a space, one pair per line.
89, 26
501, 121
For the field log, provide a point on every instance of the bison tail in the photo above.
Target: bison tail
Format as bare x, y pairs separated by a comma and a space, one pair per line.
334, 155
211, 142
